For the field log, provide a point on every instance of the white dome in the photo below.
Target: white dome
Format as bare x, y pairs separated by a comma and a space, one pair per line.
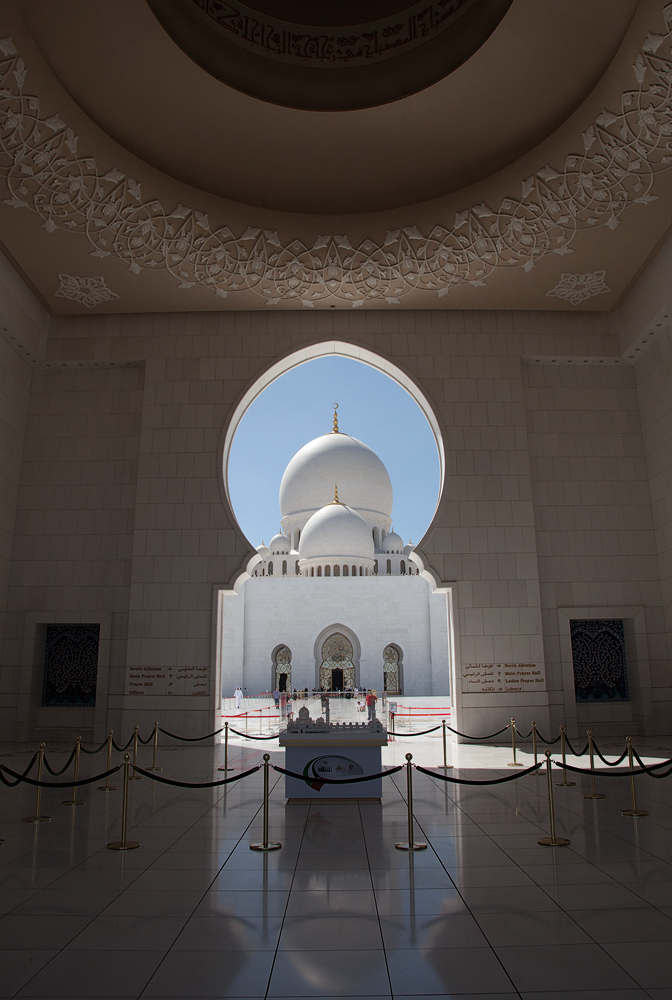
408, 548
335, 460
336, 532
392, 543
263, 551
279, 544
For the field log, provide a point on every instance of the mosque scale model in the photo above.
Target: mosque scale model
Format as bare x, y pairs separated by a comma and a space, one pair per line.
336, 600
319, 749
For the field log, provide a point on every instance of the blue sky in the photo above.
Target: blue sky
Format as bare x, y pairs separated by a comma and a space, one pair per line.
298, 407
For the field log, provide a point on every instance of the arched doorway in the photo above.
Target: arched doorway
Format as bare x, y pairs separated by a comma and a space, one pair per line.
392, 669
283, 668
337, 670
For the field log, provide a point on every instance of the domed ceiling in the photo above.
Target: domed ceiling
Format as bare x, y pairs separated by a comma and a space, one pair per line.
145, 167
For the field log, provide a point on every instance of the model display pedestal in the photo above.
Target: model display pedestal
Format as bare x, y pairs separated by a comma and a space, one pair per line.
334, 750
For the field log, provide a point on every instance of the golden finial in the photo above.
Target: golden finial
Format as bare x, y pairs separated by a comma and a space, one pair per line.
335, 427
336, 500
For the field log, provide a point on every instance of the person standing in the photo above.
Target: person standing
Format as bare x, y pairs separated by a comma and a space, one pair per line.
276, 698
371, 700
238, 695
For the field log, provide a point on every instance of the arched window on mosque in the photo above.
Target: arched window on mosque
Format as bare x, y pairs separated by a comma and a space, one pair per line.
283, 669
389, 567
392, 670
361, 571
403, 568
284, 567
375, 565
327, 570
319, 571
354, 571
270, 569
297, 570
337, 570
345, 571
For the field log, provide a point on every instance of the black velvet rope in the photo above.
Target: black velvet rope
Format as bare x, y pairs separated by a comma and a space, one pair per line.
191, 739
12, 784
148, 740
97, 750
492, 781
51, 784
615, 774
491, 736
125, 747
204, 784
337, 781
572, 750
65, 766
248, 737
610, 763
423, 733
548, 743
649, 770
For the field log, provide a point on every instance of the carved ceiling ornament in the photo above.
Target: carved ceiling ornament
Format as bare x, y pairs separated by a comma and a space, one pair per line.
88, 291
622, 154
576, 288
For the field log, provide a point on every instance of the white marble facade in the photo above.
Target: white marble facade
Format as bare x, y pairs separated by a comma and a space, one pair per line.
556, 432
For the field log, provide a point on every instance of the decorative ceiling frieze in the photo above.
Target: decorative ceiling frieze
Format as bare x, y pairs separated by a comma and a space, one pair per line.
621, 154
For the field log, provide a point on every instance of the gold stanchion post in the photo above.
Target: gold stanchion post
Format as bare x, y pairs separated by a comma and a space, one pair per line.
564, 783
392, 718
594, 794
156, 747
107, 787
123, 844
38, 818
514, 762
551, 841
135, 776
634, 811
534, 743
226, 750
411, 844
445, 764
265, 844
74, 801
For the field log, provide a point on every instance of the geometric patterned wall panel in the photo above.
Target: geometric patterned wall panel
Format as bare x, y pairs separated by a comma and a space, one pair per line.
70, 666
598, 658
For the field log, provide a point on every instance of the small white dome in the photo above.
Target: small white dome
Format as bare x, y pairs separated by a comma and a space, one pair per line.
408, 548
335, 459
336, 532
279, 545
393, 543
263, 551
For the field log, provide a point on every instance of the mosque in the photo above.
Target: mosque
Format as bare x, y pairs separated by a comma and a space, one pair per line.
336, 600
473, 197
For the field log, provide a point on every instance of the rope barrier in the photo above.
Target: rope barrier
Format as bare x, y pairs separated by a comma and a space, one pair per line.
125, 746
466, 781
423, 733
149, 738
337, 781
50, 784
617, 774
92, 752
610, 763
648, 770
205, 784
65, 766
13, 784
186, 739
573, 751
548, 743
248, 737
491, 736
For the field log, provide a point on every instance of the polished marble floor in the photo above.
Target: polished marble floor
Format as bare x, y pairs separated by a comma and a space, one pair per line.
484, 912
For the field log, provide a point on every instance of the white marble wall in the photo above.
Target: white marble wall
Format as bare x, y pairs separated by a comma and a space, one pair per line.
557, 492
